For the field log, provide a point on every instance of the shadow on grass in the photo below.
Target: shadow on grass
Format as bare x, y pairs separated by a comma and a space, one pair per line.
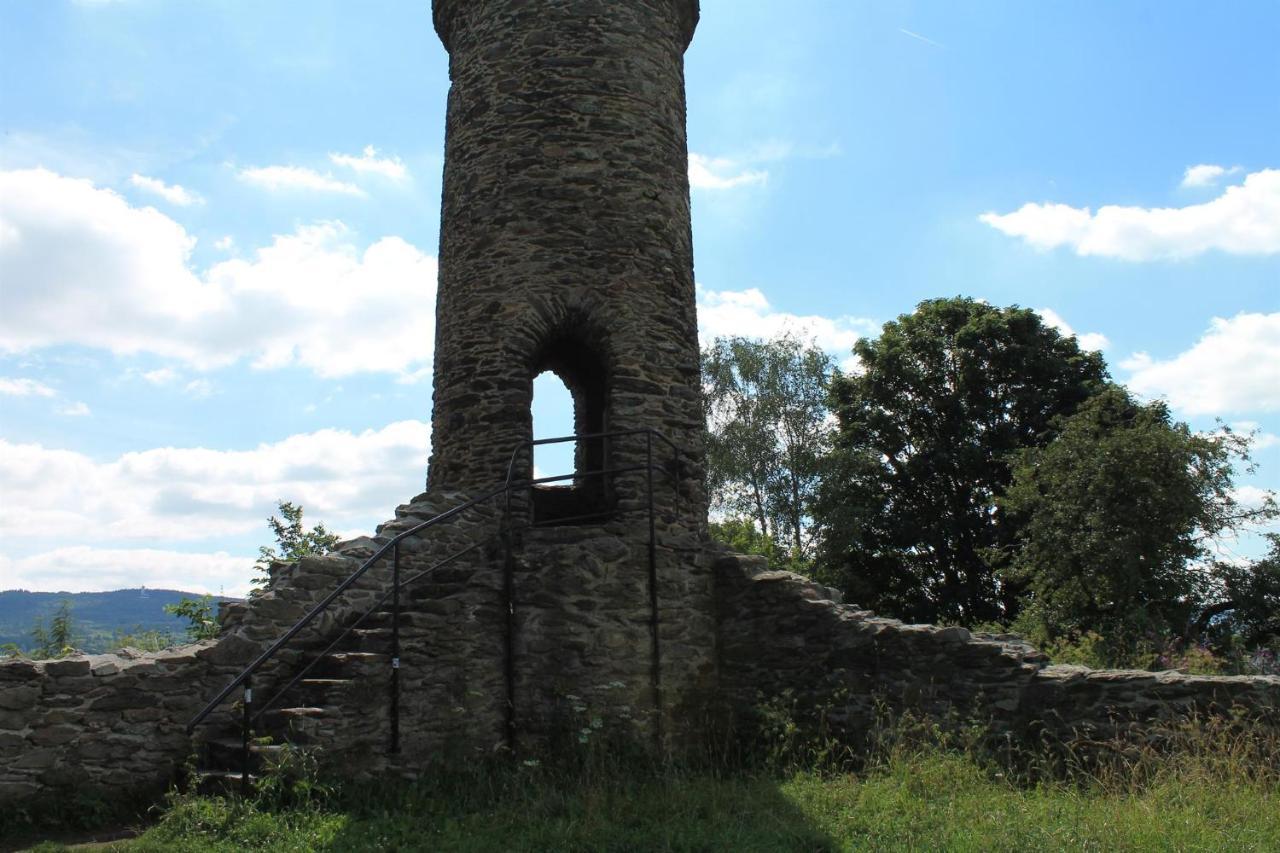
675, 813
486, 813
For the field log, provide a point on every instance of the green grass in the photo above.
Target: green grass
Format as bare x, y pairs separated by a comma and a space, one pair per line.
932, 799
1212, 785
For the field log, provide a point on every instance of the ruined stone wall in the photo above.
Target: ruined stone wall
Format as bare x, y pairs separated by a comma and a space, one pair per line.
565, 219
117, 722
780, 634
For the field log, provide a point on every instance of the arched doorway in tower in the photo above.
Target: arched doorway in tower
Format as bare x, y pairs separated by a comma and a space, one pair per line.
570, 397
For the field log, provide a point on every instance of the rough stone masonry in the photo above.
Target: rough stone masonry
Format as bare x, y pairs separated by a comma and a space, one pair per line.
565, 246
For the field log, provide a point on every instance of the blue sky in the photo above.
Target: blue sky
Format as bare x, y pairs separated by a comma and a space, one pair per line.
218, 227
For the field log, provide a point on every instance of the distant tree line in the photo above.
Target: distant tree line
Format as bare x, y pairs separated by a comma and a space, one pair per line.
979, 468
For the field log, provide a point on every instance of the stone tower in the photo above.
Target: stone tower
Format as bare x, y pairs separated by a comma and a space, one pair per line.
565, 245
565, 239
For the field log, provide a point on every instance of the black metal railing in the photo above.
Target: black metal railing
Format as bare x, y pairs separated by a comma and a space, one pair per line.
251, 712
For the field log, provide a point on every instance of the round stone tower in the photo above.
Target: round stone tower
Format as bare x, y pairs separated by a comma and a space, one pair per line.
565, 243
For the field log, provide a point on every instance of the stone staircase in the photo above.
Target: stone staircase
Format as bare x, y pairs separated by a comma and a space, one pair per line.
339, 711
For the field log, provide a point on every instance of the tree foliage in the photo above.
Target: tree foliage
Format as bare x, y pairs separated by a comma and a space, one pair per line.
907, 514
1115, 514
293, 541
56, 640
767, 435
202, 622
1244, 609
742, 536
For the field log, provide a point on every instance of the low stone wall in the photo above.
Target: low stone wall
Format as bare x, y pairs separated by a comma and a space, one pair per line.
116, 723
1070, 702
781, 634
110, 722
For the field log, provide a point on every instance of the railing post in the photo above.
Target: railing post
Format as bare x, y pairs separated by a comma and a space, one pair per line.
508, 638
245, 722
656, 671
395, 650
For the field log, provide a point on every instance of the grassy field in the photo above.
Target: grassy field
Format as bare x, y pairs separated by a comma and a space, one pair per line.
927, 803
1218, 790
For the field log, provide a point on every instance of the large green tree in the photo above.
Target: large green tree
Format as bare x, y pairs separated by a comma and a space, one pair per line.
1116, 518
768, 433
907, 513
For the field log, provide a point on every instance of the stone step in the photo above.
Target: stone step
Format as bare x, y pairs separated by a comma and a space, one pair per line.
221, 781
290, 715
369, 640
226, 753
353, 665
327, 683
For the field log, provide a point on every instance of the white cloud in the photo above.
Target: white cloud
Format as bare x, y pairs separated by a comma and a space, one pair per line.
24, 388
727, 313
1234, 367
285, 178
189, 494
171, 193
1205, 175
721, 173
161, 376
1089, 340
75, 410
164, 376
82, 266
1244, 220
225, 244
199, 388
80, 568
1252, 497
1260, 440
369, 162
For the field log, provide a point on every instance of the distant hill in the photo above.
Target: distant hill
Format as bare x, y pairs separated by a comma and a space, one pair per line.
96, 617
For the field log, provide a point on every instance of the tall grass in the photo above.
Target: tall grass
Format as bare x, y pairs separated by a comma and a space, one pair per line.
1195, 784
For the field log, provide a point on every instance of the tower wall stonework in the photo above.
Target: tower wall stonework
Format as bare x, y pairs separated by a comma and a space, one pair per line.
565, 220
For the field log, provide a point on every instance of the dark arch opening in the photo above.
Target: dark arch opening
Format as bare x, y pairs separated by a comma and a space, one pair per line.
583, 371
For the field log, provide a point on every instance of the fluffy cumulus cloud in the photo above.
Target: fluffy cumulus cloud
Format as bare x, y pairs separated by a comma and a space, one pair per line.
1088, 340
1243, 220
726, 313
171, 193
1231, 369
1206, 175
368, 162
295, 178
191, 494
125, 506
82, 266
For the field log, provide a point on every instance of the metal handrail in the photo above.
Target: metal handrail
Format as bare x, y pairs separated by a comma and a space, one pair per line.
323, 605
263, 707
245, 677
